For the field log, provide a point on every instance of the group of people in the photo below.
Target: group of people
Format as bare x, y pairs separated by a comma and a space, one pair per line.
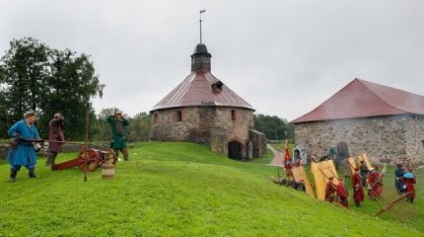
338, 192
25, 135
404, 182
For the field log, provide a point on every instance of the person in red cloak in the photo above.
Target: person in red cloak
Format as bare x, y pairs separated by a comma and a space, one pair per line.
330, 188
409, 180
375, 187
358, 190
288, 165
342, 194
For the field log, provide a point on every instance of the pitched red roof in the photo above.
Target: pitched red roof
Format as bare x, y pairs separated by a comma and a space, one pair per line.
196, 90
365, 99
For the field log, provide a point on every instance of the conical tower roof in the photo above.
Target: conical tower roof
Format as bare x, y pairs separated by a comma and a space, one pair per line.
201, 87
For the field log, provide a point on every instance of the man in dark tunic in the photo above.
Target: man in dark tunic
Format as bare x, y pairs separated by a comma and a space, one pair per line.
364, 172
55, 134
22, 152
118, 124
399, 172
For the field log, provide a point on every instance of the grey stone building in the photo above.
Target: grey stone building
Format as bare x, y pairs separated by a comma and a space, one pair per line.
203, 109
384, 122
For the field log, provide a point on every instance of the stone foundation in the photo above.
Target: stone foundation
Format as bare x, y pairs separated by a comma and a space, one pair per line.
384, 139
212, 125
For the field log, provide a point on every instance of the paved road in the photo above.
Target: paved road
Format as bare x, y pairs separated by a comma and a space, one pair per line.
278, 156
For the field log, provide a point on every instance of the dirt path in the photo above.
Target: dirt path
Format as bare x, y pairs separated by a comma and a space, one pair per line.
278, 157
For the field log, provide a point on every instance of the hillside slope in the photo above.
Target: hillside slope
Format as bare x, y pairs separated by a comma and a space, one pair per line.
173, 189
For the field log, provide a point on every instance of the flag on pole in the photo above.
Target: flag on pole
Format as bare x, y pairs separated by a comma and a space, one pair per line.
286, 155
202, 11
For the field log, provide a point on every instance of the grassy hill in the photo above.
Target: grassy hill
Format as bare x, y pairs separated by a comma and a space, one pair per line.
174, 189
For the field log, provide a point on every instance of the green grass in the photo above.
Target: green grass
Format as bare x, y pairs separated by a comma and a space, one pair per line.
175, 189
265, 159
282, 146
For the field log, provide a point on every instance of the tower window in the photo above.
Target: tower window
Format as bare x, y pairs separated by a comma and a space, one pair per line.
233, 115
217, 86
155, 118
422, 143
179, 116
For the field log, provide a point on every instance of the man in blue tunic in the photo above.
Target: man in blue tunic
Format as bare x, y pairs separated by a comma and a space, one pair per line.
22, 152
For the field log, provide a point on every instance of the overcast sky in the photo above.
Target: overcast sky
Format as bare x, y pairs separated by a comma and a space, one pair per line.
283, 57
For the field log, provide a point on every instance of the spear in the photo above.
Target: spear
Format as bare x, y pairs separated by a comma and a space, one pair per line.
354, 169
42, 140
86, 140
392, 204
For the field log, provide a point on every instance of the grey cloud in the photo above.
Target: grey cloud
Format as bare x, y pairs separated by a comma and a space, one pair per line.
283, 57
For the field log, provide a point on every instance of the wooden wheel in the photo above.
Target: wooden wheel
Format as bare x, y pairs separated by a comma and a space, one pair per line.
88, 160
108, 155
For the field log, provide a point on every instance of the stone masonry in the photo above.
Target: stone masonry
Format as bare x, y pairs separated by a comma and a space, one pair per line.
384, 138
215, 126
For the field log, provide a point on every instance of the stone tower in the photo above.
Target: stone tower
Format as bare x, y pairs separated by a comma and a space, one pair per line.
203, 109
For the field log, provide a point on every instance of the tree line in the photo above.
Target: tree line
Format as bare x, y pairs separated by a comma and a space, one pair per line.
274, 127
34, 76
138, 129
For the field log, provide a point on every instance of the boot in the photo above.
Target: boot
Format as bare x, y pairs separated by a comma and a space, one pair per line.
32, 173
13, 174
50, 159
125, 153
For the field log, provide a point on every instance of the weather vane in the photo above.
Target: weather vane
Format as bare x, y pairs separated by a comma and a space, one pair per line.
200, 13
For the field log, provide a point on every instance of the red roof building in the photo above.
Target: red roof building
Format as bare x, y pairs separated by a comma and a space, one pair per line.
365, 99
203, 109
383, 121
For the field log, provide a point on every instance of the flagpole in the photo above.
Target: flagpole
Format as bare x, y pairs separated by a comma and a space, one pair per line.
200, 21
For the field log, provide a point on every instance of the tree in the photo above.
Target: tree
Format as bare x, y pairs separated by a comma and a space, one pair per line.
139, 128
274, 127
24, 69
102, 128
33, 76
71, 84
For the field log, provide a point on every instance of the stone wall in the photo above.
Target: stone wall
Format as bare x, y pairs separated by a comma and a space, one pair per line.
382, 138
166, 127
4, 149
238, 129
218, 142
415, 138
258, 141
211, 125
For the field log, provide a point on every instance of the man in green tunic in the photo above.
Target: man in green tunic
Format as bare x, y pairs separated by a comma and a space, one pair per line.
118, 124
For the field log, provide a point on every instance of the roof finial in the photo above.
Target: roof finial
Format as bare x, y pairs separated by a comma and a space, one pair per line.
200, 13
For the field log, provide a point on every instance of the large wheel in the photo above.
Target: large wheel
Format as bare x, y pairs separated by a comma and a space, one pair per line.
108, 155
88, 160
